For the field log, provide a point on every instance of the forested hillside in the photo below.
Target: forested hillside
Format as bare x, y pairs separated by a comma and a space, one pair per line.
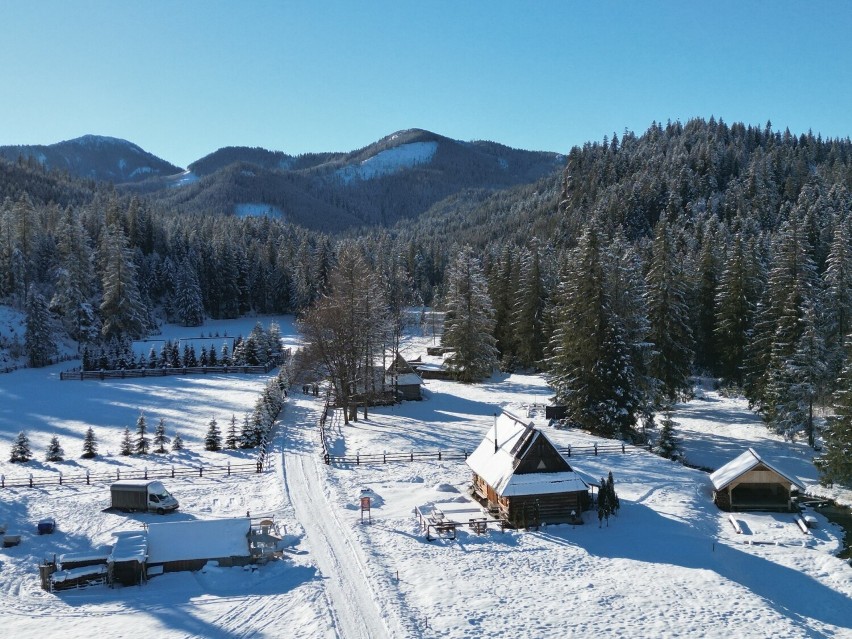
693, 248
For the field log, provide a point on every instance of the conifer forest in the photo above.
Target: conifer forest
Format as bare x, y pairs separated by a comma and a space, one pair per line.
694, 249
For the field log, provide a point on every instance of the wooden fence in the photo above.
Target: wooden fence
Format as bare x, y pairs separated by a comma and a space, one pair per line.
162, 372
87, 478
603, 448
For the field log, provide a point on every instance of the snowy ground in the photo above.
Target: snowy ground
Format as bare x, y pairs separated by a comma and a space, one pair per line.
670, 564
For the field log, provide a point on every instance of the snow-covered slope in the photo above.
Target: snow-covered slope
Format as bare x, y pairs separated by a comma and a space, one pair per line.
390, 161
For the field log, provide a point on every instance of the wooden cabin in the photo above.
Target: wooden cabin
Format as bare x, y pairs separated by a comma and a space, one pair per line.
749, 482
521, 476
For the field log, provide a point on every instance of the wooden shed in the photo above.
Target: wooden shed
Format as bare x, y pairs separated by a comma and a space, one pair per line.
519, 474
749, 482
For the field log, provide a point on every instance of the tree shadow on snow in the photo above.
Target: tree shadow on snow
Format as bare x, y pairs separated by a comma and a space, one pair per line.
641, 534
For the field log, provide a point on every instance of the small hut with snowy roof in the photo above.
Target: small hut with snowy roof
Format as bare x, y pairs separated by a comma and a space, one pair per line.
521, 475
749, 482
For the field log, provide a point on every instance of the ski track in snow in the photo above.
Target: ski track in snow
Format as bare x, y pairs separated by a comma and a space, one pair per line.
352, 601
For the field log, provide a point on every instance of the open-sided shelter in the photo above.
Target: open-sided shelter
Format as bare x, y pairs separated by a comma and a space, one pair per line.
749, 482
519, 473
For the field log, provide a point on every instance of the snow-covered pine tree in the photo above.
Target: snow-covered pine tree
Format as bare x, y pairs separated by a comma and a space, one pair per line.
90, 445
188, 301
795, 385
213, 437
835, 461
177, 443
54, 452
668, 313
529, 309
247, 433
73, 290
502, 290
469, 321
232, 437
122, 309
38, 338
21, 451
837, 297
667, 444
736, 301
141, 445
126, 443
160, 439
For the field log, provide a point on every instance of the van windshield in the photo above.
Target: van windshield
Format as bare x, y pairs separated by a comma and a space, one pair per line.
164, 495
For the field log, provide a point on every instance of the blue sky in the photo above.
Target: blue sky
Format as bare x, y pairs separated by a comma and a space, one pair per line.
182, 79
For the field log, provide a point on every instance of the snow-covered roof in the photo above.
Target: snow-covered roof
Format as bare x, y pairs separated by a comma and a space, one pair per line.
198, 539
744, 463
496, 463
129, 546
408, 379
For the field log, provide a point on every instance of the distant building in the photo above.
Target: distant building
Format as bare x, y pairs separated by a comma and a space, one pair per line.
523, 478
749, 482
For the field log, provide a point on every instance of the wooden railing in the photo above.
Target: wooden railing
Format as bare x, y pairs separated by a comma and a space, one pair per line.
173, 472
163, 372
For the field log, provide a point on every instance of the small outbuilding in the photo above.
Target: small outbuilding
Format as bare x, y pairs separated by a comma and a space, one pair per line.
521, 476
189, 545
749, 482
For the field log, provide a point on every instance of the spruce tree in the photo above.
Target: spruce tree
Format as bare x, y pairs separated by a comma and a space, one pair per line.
668, 445
126, 443
247, 439
38, 338
232, 437
668, 312
90, 445
835, 461
213, 438
529, 310
142, 442
122, 309
21, 451
177, 443
469, 321
54, 451
188, 298
160, 439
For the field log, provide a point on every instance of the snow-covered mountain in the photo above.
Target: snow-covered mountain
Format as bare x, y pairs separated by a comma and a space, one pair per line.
398, 177
95, 156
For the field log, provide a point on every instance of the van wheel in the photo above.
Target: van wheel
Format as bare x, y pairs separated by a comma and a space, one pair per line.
160, 511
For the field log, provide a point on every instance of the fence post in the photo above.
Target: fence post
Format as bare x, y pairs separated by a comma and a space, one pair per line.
173, 471
326, 459
385, 457
412, 455
87, 478
2, 481
201, 471
31, 480
229, 468
146, 472
358, 458
260, 467
569, 450
118, 473
439, 455
622, 447
60, 477
596, 449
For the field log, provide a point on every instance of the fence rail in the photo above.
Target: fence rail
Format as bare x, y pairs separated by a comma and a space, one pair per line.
61, 479
163, 372
453, 455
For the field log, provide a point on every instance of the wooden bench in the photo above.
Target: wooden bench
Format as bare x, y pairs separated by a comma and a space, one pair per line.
446, 529
479, 526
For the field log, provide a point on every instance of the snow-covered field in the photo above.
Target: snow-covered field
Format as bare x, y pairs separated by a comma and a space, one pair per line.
669, 565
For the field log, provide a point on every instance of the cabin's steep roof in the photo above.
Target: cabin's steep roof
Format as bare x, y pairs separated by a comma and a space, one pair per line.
502, 450
739, 466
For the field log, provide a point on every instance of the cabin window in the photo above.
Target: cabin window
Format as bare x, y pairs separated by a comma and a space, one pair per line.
153, 498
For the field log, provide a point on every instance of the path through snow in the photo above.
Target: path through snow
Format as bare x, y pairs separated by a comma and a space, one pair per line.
352, 602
